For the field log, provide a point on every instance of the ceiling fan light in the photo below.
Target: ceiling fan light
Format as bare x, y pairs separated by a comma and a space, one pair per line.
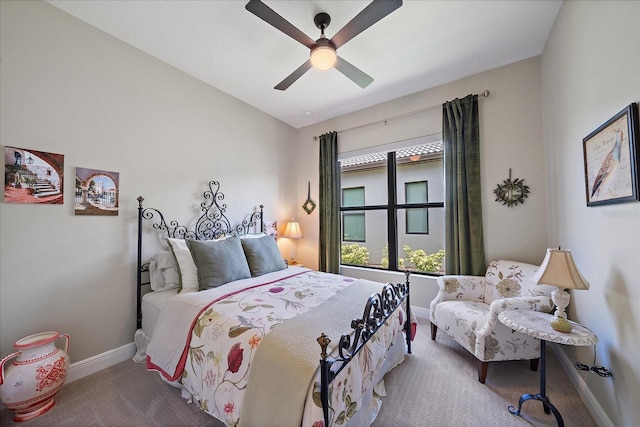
323, 57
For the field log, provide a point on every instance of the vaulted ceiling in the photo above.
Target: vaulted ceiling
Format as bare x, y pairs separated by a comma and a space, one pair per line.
421, 45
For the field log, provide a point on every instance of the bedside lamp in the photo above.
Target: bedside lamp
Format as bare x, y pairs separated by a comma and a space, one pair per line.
558, 269
293, 232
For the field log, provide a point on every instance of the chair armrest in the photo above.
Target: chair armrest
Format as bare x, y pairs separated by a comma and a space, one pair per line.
539, 303
458, 287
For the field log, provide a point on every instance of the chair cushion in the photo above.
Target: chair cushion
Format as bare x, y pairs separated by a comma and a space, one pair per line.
461, 320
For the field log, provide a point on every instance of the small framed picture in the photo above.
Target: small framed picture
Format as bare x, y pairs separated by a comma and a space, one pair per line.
611, 160
97, 192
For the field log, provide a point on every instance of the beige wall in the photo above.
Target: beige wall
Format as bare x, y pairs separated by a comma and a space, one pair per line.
69, 88
591, 71
511, 137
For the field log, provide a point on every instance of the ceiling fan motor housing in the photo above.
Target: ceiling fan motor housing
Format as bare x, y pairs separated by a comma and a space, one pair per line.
322, 21
323, 54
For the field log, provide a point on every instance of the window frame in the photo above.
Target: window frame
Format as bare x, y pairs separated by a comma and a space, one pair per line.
391, 208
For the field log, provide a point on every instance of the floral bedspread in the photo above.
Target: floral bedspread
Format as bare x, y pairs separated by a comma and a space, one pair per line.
221, 339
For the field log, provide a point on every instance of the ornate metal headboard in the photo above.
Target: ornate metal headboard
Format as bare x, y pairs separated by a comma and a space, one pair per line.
212, 224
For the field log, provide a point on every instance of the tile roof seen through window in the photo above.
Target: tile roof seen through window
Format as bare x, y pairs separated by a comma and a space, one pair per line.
405, 153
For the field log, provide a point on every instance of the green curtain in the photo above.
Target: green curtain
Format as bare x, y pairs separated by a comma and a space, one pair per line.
329, 204
464, 241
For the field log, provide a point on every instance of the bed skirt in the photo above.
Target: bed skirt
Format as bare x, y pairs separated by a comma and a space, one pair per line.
372, 400
142, 341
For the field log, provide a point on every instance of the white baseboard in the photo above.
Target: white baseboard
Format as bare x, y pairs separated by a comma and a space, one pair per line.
421, 312
99, 362
599, 415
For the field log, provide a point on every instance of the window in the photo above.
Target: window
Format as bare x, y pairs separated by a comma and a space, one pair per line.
353, 222
401, 223
417, 219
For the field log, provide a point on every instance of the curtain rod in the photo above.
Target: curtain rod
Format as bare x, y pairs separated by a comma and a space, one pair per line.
484, 94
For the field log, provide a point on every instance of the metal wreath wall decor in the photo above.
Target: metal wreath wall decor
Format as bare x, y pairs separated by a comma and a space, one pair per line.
511, 193
309, 205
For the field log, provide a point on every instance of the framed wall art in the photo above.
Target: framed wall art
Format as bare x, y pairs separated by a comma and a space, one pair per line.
611, 160
97, 192
32, 176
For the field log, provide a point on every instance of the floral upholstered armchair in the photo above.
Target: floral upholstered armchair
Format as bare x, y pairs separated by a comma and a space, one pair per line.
467, 309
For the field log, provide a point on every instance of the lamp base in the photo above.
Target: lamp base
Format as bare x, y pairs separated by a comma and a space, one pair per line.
561, 324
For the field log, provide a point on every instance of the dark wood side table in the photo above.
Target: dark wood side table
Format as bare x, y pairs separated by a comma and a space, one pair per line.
537, 325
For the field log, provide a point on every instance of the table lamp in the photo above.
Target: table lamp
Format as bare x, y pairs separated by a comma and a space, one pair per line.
292, 232
558, 269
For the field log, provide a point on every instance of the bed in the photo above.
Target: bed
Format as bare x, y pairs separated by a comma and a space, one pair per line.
228, 322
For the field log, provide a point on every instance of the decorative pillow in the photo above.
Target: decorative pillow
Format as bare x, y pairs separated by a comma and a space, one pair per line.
219, 261
263, 255
163, 272
271, 228
186, 267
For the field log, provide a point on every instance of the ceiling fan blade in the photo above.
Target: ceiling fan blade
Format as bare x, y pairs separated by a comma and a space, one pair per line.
355, 74
269, 16
283, 85
375, 11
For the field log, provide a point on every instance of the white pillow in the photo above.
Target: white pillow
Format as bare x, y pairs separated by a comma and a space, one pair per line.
252, 236
163, 272
186, 266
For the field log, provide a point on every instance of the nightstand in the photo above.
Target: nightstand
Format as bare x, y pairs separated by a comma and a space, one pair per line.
295, 265
537, 325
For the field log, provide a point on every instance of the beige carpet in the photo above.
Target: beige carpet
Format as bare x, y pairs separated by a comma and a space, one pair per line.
436, 386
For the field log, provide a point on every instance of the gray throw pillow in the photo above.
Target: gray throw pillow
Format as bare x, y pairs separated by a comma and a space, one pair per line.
218, 261
263, 255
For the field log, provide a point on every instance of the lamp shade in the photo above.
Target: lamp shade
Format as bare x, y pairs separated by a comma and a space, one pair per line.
558, 269
323, 57
293, 231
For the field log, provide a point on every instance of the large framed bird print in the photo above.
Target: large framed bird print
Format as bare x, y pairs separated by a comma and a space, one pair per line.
611, 160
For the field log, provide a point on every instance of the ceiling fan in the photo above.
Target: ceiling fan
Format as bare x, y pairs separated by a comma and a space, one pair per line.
323, 54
